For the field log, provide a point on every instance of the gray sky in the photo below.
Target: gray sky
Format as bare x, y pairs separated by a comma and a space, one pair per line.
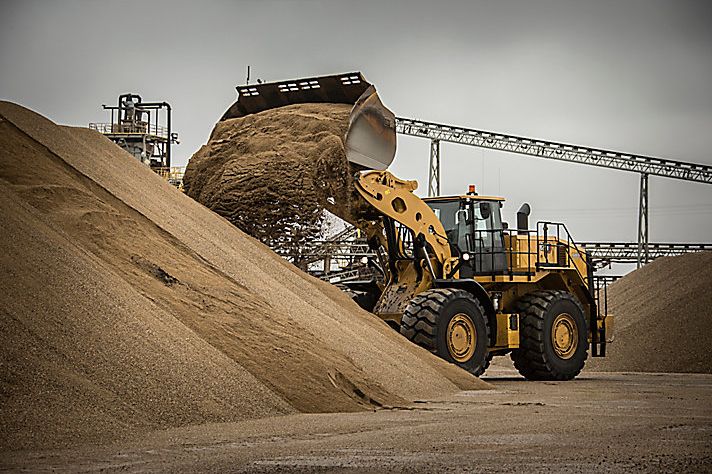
633, 76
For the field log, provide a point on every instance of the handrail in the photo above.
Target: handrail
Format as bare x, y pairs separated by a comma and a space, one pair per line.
130, 129
479, 254
569, 242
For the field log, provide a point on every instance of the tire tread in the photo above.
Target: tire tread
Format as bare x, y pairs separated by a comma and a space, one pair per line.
531, 358
419, 323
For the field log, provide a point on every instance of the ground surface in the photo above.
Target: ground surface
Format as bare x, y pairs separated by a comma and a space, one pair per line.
597, 423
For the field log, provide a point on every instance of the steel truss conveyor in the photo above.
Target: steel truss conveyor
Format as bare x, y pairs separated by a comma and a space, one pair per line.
604, 253
644, 165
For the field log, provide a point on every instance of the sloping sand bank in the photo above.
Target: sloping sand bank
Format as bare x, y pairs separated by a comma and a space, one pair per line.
663, 317
127, 307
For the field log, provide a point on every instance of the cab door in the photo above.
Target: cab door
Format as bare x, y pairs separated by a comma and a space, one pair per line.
487, 244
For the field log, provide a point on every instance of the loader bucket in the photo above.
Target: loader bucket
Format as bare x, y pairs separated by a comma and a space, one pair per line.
370, 138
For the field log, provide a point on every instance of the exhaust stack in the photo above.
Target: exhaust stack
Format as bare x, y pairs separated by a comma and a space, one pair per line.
523, 217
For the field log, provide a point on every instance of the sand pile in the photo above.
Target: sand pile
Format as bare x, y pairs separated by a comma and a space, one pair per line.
127, 307
273, 173
663, 317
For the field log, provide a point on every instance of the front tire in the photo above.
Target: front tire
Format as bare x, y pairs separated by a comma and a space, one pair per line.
451, 324
553, 336
365, 300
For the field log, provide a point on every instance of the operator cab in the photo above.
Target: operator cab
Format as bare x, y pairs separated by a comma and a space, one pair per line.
474, 229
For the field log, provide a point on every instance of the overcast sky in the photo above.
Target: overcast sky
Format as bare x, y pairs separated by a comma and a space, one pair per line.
633, 76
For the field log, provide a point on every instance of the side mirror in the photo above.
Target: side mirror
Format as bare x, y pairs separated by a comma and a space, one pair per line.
485, 210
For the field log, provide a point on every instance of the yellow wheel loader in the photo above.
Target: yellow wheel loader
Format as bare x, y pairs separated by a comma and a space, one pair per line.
454, 278
457, 281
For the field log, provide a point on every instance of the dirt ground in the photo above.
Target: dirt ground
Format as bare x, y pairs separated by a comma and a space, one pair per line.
600, 422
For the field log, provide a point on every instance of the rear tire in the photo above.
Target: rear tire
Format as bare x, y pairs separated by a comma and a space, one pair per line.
553, 336
451, 324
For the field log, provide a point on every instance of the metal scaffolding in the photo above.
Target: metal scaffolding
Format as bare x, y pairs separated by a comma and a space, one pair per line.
604, 253
645, 165
144, 130
643, 221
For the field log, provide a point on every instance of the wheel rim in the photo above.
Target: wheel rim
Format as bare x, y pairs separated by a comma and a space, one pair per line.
461, 337
564, 336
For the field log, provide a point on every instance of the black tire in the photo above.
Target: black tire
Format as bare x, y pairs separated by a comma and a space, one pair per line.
364, 299
427, 320
539, 357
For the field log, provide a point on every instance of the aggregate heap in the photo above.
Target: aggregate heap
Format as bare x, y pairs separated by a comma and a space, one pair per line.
129, 307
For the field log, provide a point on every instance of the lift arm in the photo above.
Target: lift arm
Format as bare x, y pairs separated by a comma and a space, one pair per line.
393, 197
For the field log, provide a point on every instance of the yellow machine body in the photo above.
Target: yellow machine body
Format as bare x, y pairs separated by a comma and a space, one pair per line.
533, 261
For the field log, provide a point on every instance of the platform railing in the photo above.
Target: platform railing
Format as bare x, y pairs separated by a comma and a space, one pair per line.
130, 129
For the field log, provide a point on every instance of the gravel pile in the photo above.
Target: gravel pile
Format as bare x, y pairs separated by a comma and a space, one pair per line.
663, 317
129, 307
